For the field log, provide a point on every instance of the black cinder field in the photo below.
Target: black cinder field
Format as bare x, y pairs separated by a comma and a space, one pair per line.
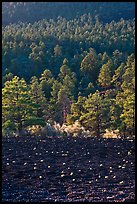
67, 169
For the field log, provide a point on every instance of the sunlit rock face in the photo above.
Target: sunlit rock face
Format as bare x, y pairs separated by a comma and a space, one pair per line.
68, 169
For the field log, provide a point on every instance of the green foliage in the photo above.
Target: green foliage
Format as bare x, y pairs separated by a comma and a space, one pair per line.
115, 112
90, 76
105, 74
9, 125
15, 102
12, 12
20, 103
128, 87
28, 48
117, 77
76, 110
7, 77
46, 82
34, 121
128, 115
37, 96
89, 66
96, 112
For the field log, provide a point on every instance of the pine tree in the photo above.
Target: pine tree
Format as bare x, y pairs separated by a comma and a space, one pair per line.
54, 107
115, 112
89, 68
63, 96
39, 100
76, 111
125, 98
95, 118
21, 104
105, 74
64, 101
46, 82
128, 87
105, 58
7, 77
64, 70
57, 50
117, 77
16, 104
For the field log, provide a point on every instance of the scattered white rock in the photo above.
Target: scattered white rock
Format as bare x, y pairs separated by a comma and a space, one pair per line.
101, 165
73, 179
41, 160
129, 153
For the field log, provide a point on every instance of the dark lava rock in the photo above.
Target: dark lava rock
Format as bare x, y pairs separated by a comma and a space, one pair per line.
65, 169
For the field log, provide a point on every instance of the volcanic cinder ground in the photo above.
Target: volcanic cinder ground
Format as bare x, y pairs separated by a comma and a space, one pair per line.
68, 169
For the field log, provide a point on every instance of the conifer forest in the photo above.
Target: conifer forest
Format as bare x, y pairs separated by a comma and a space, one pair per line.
68, 101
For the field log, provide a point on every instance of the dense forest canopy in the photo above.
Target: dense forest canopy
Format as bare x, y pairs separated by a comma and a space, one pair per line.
46, 43
12, 12
61, 66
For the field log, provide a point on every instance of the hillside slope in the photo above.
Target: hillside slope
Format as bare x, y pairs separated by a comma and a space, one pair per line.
12, 12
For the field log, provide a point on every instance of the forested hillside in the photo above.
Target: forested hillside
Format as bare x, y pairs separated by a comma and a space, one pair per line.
68, 102
12, 12
77, 66
30, 48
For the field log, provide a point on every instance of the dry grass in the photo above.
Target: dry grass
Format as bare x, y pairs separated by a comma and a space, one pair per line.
111, 134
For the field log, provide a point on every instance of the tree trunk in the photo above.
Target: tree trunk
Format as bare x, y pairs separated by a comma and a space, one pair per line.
98, 123
19, 126
64, 113
98, 130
